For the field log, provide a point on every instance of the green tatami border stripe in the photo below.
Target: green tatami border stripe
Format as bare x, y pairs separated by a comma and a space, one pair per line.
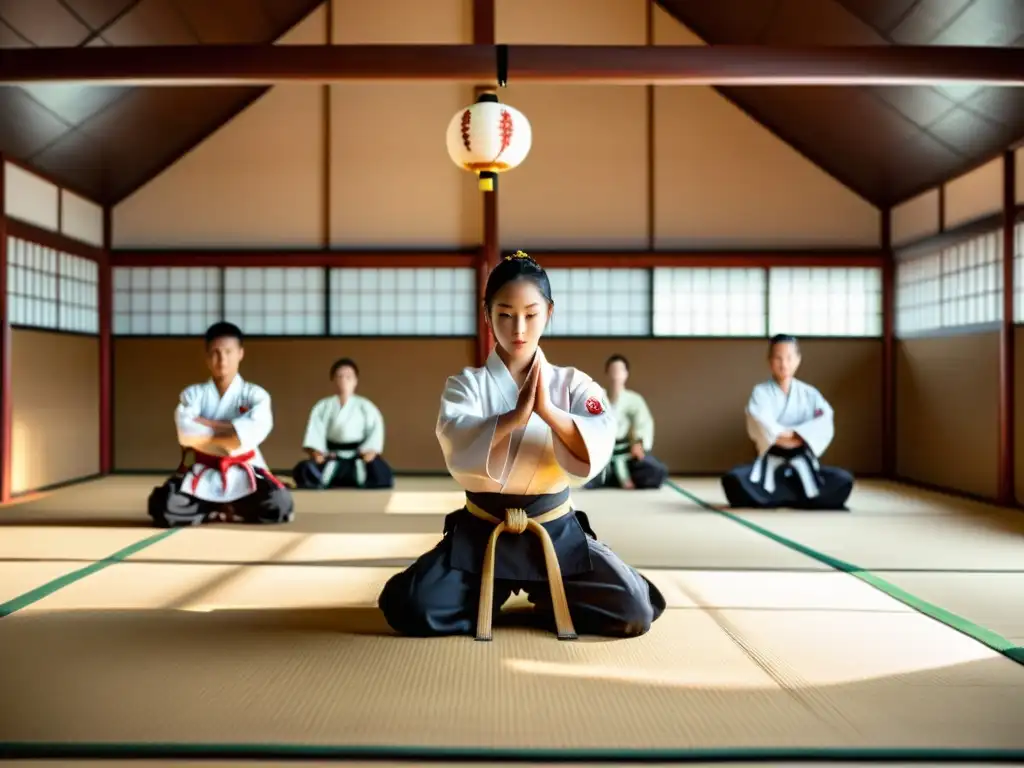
47, 589
284, 752
983, 635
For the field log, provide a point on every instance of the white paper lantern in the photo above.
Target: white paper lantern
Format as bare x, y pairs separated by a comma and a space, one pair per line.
489, 138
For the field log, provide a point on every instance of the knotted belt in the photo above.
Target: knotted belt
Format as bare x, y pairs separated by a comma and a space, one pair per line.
516, 521
221, 465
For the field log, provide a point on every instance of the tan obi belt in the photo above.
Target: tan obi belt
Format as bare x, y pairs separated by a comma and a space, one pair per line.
516, 521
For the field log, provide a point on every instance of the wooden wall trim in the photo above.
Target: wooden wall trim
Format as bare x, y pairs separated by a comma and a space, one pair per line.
44, 237
6, 390
388, 259
1007, 418
764, 260
471, 259
888, 349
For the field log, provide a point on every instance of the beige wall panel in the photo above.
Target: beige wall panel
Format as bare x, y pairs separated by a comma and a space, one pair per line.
56, 408
257, 182
721, 180
947, 411
81, 219
427, 22
571, 22
149, 375
976, 194
697, 390
715, 375
915, 219
29, 198
392, 182
584, 184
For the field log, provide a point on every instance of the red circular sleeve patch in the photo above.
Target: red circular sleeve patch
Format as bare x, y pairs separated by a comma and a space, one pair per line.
594, 406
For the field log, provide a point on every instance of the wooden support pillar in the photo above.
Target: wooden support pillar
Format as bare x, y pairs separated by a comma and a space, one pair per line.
6, 405
888, 348
490, 252
484, 33
1007, 491
106, 323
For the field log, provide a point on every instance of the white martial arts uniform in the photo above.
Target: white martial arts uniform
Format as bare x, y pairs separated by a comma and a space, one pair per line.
348, 431
248, 408
531, 460
805, 412
529, 471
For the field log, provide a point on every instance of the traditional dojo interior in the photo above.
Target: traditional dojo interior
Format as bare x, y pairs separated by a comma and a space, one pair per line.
699, 177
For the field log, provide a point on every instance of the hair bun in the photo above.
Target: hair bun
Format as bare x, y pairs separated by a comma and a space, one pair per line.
521, 256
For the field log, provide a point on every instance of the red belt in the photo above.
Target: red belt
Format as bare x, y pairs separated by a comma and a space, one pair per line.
222, 464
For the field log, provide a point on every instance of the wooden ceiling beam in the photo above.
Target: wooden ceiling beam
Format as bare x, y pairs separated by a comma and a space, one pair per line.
638, 65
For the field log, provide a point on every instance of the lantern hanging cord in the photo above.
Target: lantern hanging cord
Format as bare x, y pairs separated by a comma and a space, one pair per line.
502, 51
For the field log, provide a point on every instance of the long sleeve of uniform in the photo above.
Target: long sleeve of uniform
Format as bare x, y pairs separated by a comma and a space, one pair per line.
191, 434
466, 434
315, 438
762, 427
818, 431
643, 425
255, 425
596, 422
374, 440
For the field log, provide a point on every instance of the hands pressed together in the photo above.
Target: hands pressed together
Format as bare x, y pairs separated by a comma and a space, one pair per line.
789, 439
323, 458
533, 398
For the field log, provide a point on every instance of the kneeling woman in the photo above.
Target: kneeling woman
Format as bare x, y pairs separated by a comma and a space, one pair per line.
517, 434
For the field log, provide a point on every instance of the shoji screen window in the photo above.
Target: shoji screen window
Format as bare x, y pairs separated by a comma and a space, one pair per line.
825, 301
919, 294
275, 301
31, 284
1018, 272
972, 281
415, 301
166, 301
718, 301
78, 295
601, 302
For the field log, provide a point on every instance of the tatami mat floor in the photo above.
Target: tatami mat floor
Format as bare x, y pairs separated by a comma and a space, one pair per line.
114, 632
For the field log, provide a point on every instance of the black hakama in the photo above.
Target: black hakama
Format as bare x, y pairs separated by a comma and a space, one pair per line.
439, 594
797, 468
350, 471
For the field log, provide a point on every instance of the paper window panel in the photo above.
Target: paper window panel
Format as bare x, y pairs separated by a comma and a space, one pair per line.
78, 297
600, 302
166, 301
919, 294
275, 301
972, 281
421, 301
32, 284
713, 302
825, 301
1018, 272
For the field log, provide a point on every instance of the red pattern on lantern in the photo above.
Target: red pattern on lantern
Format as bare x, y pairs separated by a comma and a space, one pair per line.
594, 406
505, 126
467, 118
